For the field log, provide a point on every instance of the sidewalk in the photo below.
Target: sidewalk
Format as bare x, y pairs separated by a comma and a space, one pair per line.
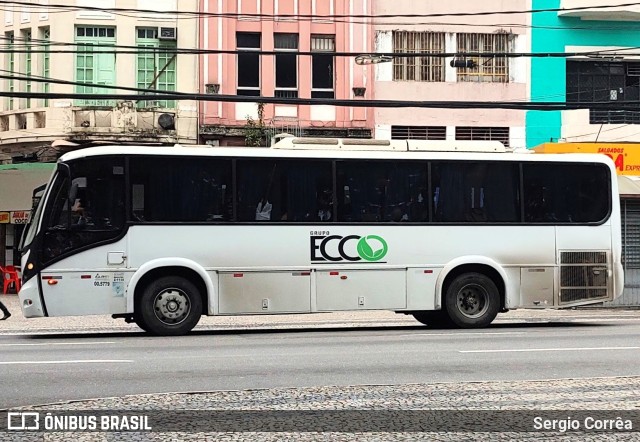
18, 324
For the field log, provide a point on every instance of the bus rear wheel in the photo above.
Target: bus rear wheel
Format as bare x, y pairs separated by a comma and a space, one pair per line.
170, 306
434, 319
472, 300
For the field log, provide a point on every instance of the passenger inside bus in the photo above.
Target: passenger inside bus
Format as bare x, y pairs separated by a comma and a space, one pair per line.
78, 216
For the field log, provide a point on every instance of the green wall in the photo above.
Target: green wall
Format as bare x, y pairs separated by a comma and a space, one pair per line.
551, 33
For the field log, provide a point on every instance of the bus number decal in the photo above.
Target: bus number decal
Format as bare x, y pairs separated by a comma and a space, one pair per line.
101, 280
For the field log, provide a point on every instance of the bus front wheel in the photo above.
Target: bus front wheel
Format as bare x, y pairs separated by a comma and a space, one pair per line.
170, 306
472, 300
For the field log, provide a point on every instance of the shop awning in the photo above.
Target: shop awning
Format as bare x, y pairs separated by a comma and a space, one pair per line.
629, 186
17, 182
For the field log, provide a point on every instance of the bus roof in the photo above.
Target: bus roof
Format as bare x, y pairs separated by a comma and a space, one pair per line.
370, 149
389, 145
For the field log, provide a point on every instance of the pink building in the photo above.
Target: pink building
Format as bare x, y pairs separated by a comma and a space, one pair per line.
482, 78
268, 25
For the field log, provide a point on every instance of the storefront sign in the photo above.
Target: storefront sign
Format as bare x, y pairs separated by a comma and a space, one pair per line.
626, 156
4, 217
20, 217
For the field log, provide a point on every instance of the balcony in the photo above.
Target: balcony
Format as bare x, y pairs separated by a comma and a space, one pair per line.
613, 13
124, 122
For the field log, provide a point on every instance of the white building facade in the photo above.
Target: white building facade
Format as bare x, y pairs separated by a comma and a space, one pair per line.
92, 42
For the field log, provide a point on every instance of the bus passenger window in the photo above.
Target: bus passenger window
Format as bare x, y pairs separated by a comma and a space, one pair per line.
180, 189
381, 191
561, 193
479, 192
284, 190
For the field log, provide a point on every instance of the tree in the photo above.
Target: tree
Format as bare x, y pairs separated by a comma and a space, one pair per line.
254, 130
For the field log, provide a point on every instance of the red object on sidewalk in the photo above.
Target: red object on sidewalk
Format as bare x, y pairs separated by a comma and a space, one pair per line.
10, 276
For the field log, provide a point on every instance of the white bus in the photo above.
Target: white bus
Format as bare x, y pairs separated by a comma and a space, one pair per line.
450, 232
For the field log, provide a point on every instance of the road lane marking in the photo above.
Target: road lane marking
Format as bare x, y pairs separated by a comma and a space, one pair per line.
463, 334
517, 350
78, 361
54, 343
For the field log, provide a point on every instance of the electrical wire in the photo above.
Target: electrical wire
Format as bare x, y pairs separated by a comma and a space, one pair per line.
303, 17
45, 46
179, 96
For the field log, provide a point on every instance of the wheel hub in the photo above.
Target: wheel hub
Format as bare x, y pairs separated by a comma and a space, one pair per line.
171, 306
472, 301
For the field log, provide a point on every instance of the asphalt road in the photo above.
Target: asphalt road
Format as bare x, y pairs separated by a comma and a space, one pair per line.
46, 368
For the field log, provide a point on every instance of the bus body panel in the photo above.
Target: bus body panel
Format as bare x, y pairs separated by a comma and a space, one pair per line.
361, 290
415, 249
29, 297
278, 249
75, 286
421, 288
264, 292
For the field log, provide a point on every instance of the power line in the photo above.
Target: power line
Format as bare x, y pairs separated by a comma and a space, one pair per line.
49, 80
45, 46
364, 19
180, 96
303, 17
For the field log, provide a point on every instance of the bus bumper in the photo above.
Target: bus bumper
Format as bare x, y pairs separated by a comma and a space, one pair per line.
30, 302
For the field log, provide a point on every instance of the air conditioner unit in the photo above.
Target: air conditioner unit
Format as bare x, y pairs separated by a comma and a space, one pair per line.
168, 34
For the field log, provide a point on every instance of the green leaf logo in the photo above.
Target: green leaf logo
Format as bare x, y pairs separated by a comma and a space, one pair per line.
372, 248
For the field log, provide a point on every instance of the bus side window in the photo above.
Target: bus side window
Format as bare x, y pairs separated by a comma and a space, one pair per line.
137, 202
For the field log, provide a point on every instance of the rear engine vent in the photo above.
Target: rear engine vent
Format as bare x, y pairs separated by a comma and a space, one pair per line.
583, 276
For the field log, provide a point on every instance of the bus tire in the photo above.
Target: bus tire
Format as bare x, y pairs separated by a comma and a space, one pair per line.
472, 300
434, 319
170, 306
140, 323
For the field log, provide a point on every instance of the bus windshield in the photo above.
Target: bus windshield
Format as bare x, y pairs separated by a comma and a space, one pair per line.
86, 206
36, 213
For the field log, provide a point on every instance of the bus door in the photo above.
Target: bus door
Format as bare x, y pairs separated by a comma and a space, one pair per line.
84, 250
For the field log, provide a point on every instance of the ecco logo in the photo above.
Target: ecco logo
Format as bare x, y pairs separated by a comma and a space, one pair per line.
371, 248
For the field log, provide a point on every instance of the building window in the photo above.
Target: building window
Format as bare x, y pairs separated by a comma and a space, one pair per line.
484, 133
418, 68
322, 66
286, 65
11, 67
491, 69
28, 65
248, 63
418, 132
45, 36
93, 65
589, 81
157, 67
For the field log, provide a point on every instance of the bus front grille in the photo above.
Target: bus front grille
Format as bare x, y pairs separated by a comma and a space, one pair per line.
583, 276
